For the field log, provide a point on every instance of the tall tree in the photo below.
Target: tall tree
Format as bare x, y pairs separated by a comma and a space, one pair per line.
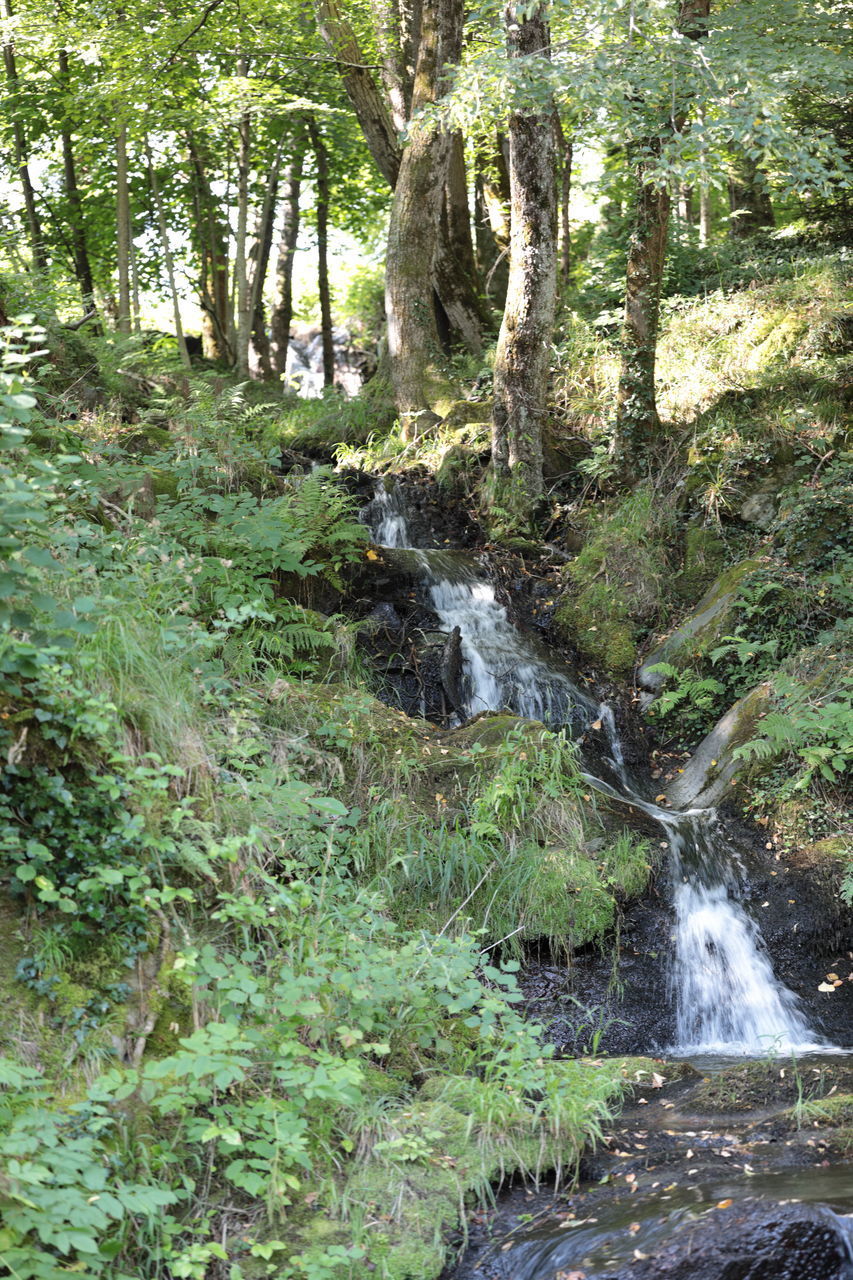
321, 155
282, 311
82, 265
636, 412
379, 115
750, 208
36, 237
123, 230
524, 345
168, 261
414, 348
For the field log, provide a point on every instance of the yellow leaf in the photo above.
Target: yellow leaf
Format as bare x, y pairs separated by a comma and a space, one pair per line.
371, 555
724, 1204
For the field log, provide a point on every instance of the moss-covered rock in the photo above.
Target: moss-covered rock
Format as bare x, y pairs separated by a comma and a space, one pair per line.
710, 620
616, 587
704, 557
714, 767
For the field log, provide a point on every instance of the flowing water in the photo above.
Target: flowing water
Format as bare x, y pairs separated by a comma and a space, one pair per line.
727, 998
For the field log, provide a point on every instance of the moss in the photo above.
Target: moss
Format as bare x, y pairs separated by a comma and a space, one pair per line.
616, 588
461, 413
704, 556
711, 619
596, 622
834, 1111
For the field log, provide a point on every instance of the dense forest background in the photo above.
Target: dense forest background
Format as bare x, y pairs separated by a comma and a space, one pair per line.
577, 277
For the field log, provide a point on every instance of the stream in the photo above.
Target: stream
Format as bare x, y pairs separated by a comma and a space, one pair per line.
729, 1006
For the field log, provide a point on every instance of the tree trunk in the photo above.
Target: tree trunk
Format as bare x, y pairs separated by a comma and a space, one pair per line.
361, 88
464, 309
704, 214
34, 228
686, 211
524, 346
123, 321
456, 276
82, 265
637, 420
213, 255
413, 342
167, 259
566, 152
241, 274
283, 310
395, 50
491, 194
136, 311
260, 257
322, 157
636, 416
749, 201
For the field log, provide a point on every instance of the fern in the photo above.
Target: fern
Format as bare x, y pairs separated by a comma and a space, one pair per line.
816, 731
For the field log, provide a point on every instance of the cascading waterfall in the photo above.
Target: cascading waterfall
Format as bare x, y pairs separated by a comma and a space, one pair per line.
727, 998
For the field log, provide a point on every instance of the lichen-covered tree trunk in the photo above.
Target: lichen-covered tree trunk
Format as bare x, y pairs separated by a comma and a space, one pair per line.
636, 414
414, 348
524, 346
282, 312
322, 157
380, 116
362, 90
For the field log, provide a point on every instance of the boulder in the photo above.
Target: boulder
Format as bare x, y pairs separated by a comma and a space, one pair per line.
713, 766
751, 1241
711, 619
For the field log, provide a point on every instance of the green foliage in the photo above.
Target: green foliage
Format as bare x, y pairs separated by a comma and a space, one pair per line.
813, 725
692, 695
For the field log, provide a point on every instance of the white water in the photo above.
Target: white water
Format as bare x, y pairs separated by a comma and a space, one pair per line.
727, 998
502, 671
386, 516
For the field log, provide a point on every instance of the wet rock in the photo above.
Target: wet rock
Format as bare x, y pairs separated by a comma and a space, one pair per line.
453, 671
713, 766
753, 1242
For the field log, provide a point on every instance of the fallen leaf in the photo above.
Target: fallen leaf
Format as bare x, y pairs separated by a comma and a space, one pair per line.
724, 1204
371, 555
596, 724
634, 1228
825, 986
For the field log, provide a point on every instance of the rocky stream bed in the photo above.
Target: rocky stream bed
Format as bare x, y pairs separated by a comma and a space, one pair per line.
734, 968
